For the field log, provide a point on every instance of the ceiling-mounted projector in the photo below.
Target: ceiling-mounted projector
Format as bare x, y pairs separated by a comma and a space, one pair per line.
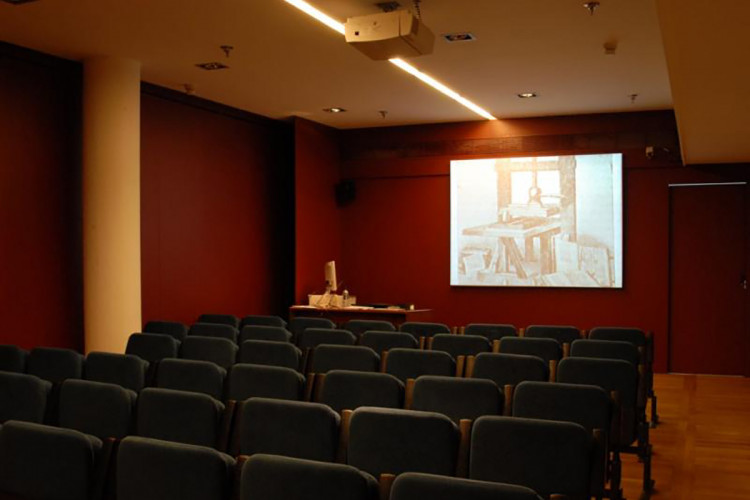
389, 34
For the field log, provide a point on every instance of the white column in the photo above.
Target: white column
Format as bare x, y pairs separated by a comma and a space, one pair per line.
111, 202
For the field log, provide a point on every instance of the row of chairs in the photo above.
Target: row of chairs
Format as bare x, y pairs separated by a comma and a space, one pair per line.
57, 464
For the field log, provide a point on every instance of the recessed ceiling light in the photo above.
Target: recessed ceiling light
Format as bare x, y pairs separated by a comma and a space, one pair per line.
339, 27
459, 37
212, 66
18, 2
527, 95
334, 110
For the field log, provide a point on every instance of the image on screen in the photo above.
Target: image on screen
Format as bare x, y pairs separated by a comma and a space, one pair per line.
548, 221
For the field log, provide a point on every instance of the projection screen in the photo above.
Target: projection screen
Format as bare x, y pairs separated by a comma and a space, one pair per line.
549, 221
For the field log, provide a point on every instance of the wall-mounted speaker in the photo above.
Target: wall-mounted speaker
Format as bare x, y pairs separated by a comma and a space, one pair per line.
345, 191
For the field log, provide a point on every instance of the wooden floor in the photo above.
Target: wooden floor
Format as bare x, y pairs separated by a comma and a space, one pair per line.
702, 444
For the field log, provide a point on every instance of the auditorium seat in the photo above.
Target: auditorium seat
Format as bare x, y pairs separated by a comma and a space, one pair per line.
270, 477
313, 337
12, 359
126, 370
507, 371
328, 357
189, 375
266, 352
490, 330
586, 405
299, 325
149, 469
391, 441
416, 486
23, 397
41, 462
549, 350
220, 351
605, 349
459, 345
96, 408
380, 341
288, 428
217, 330
247, 381
421, 329
411, 363
548, 457
152, 347
54, 364
261, 320
360, 326
222, 319
457, 398
561, 333
348, 390
265, 332
182, 417
175, 329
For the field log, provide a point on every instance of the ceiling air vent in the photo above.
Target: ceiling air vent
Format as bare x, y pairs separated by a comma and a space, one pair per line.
212, 66
459, 37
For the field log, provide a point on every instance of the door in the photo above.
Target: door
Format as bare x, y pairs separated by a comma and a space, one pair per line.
708, 271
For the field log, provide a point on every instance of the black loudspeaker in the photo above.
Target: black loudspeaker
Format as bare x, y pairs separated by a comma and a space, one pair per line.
345, 192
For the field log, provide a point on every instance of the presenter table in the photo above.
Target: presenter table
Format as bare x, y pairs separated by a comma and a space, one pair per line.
341, 315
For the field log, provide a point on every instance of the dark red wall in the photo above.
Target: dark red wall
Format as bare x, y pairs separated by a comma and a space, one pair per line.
40, 231
215, 192
317, 217
396, 238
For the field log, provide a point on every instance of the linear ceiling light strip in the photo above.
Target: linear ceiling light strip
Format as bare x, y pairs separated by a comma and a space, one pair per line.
339, 27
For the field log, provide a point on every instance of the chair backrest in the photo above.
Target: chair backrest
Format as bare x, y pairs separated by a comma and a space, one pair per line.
222, 319
360, 326
562, 333
152, 347
23, 397
313, 337
217, 330
12, 358
182, 417
189, 375
288, 428
422, 329
38, 461
175, 329
266, 352
548, 457
380, 341
54, 364
265, 332
261, 320
149, 469
635, 336
491, 331
605, 349
586, 405
220, 351
457, 398
276, 382
460, 345
343, 357
411, 485
96, 408
383, 440
299, 325
348, 390
509, 369
125, 370
411, 363
262, 476
545, 348
611, 375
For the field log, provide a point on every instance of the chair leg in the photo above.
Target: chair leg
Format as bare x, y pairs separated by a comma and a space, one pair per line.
654, 414
648, 483
615, 477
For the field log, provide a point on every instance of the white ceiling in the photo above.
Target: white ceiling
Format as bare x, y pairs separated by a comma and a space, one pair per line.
285, 63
